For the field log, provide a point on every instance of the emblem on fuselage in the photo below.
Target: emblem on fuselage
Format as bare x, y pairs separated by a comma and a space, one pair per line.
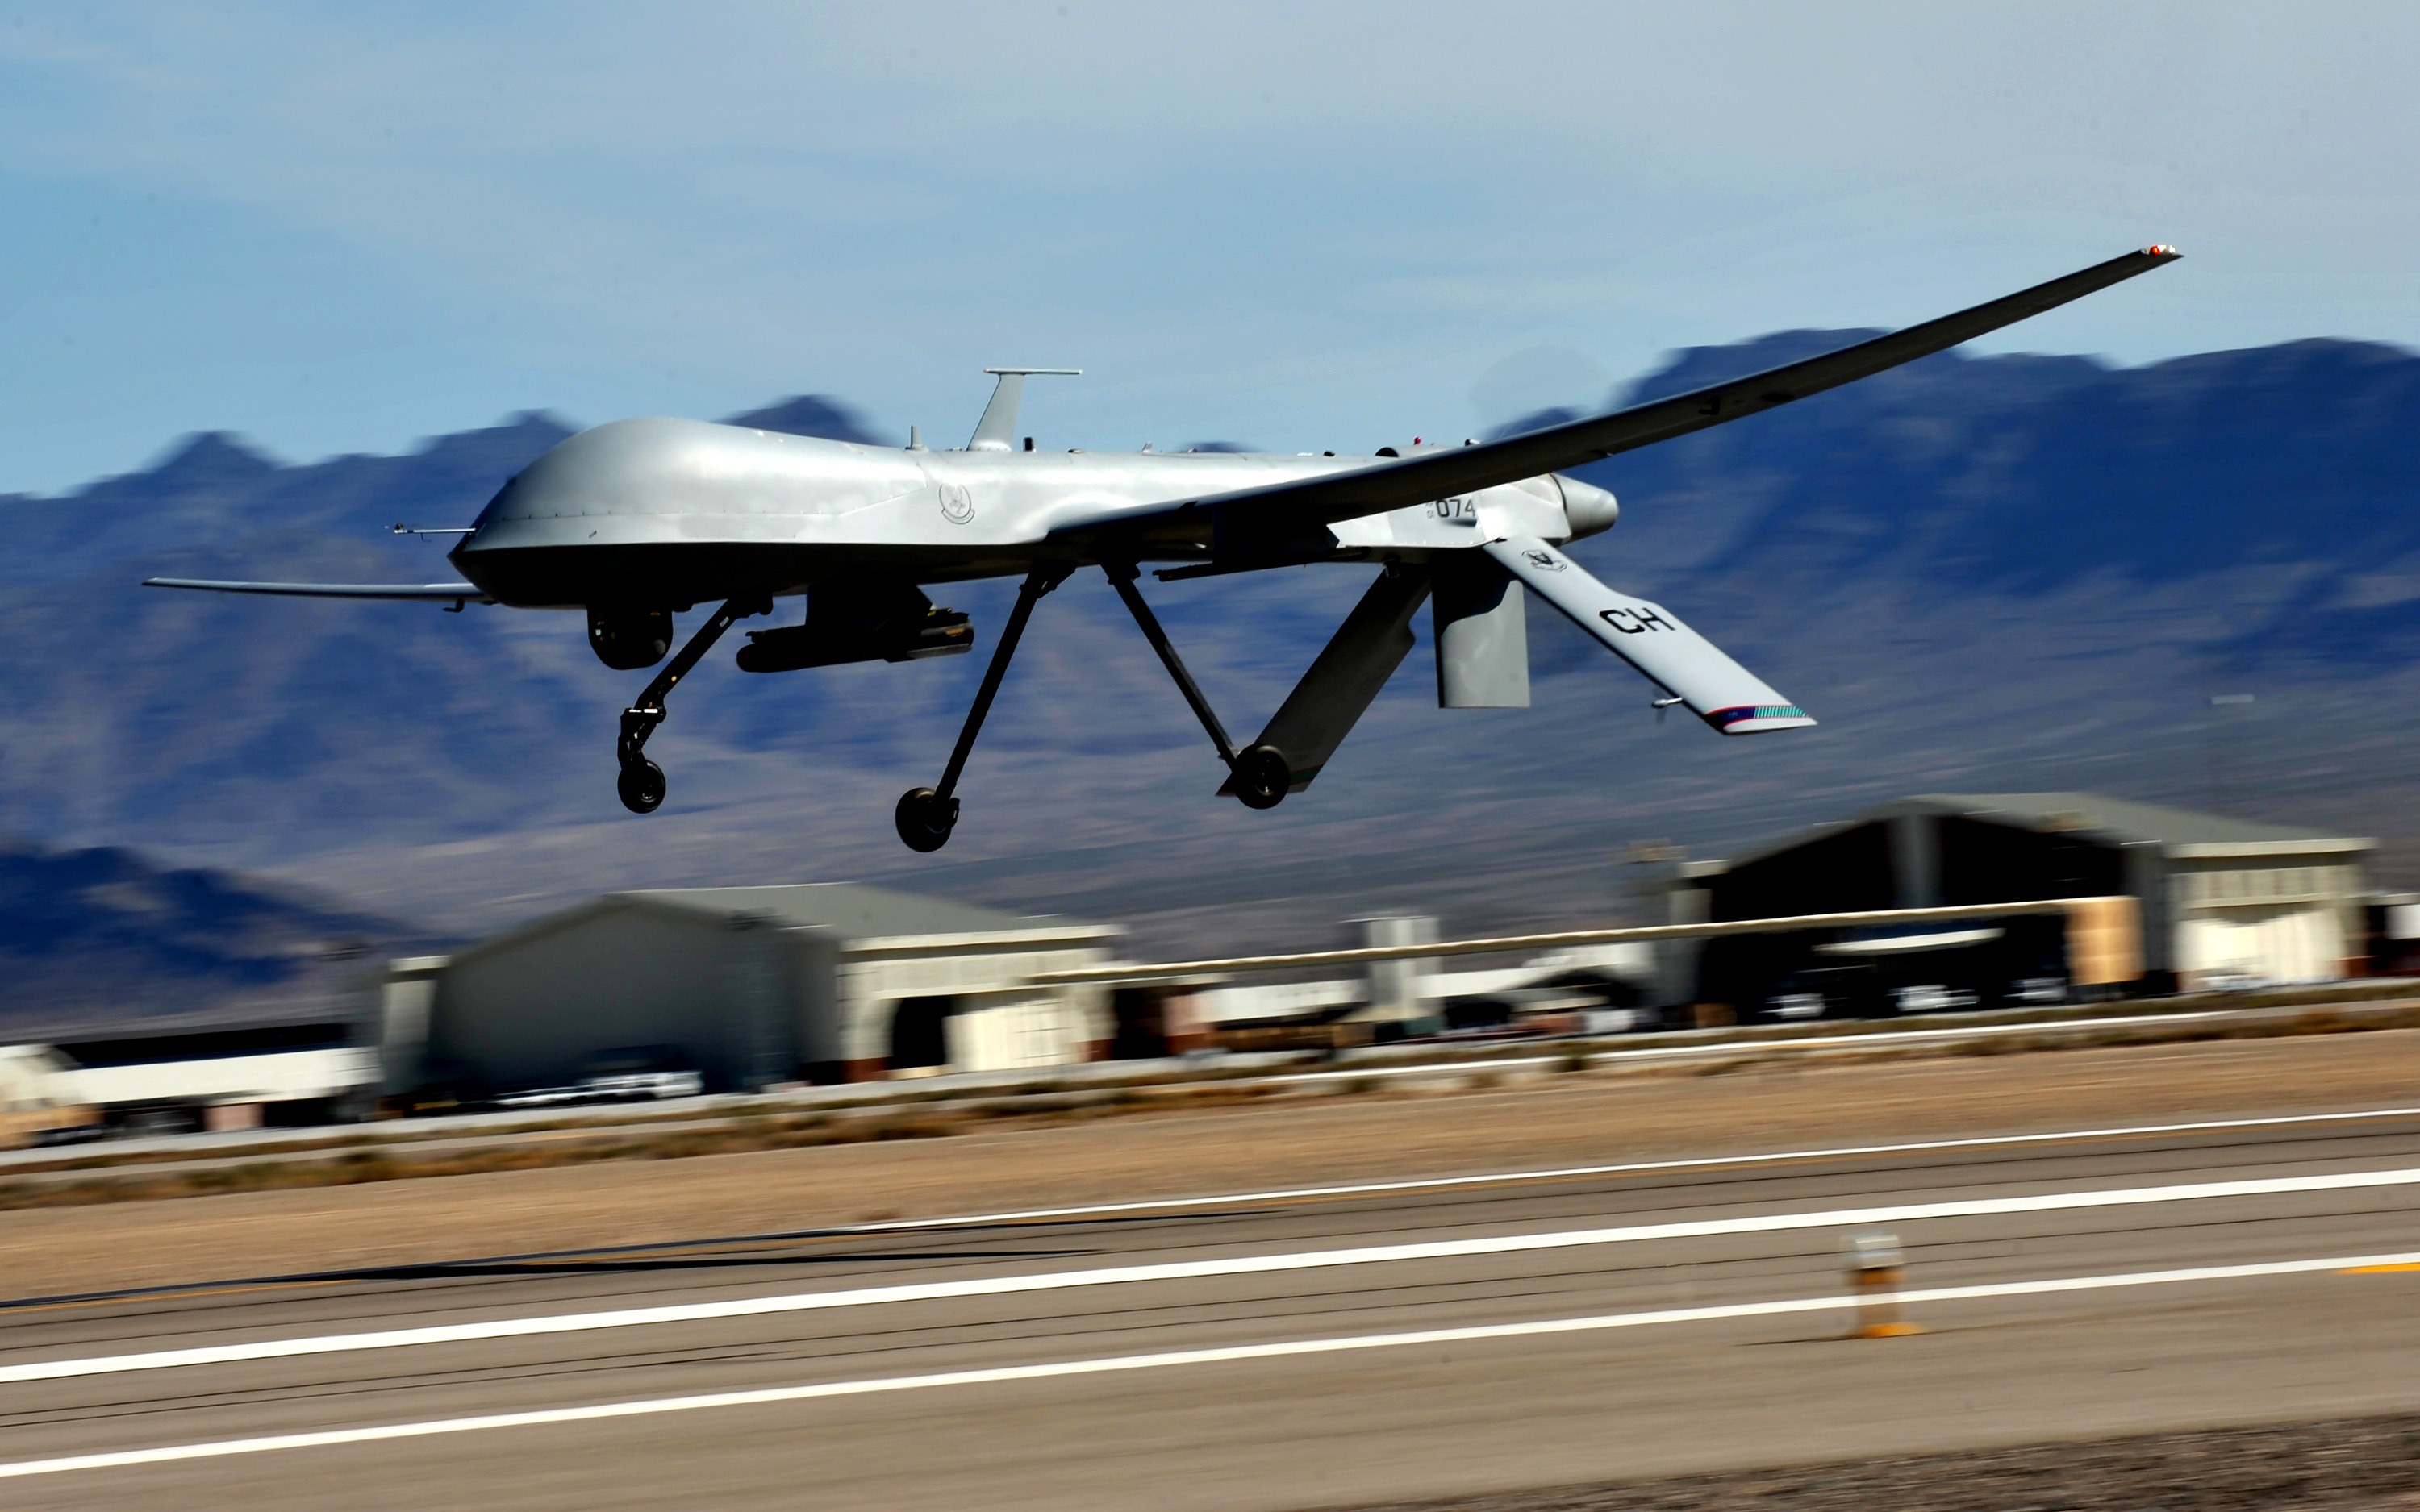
957, 504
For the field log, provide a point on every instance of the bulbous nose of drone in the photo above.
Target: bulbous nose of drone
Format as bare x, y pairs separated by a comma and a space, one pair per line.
1590, 508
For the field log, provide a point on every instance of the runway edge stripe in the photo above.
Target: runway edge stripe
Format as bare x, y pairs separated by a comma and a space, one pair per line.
1191, 1270
336, 1437
1279, 1195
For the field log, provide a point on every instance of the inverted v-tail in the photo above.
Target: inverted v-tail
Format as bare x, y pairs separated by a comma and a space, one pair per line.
1651, 637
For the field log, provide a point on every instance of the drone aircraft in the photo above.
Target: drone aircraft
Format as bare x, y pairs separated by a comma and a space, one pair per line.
641, 520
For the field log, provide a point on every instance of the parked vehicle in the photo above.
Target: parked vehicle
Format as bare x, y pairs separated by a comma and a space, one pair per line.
1931, 998
1828, 993
640, 1074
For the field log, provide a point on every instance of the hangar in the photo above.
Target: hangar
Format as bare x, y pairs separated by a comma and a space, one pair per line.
752, 987
281, 1064
2224, 901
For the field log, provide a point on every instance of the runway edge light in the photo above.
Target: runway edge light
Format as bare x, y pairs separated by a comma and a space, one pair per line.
1876, 1267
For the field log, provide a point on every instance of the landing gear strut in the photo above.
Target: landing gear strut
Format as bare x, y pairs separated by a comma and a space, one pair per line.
925, 816
641, 782
1258, 773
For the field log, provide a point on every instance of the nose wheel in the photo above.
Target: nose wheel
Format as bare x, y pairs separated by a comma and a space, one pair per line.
642, 786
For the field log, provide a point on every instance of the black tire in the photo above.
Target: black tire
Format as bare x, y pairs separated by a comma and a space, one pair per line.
1262, 777
642, 786
924, 819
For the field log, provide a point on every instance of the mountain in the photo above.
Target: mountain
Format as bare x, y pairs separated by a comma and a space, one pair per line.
2006, 573
104, 934
2031, 475
809, 414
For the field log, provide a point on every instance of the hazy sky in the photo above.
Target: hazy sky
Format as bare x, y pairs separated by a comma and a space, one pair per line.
340, 228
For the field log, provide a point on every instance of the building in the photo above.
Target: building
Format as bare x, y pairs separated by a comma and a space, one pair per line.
752, 987
283, 1064
2394, 919
37, 1104
1593, 988
2223, 902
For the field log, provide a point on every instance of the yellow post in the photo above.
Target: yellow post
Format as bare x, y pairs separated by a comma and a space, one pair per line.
1875, 1268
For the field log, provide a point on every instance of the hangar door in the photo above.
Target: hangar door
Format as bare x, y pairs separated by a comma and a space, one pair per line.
991, 1035
979, 1031
2291, 944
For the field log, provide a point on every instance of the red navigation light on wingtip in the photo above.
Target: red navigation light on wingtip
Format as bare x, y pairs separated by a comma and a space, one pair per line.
2160, 249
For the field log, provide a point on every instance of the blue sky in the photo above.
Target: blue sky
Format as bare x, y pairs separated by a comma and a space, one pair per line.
338, 228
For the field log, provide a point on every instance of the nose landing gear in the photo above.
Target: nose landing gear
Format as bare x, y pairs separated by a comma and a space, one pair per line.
641, 785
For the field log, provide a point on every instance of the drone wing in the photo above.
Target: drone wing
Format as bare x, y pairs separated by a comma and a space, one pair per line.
1272, 511
426, 592
1651, 637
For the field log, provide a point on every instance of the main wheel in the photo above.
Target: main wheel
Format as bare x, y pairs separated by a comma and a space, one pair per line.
1262, 777
925, 819
642, 786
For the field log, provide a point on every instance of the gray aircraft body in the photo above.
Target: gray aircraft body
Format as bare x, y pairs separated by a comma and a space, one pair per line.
641, 520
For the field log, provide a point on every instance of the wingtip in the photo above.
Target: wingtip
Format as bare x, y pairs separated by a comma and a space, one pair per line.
2163, 252
1756, 720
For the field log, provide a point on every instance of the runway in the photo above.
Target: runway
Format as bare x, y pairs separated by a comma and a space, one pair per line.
1274, 1349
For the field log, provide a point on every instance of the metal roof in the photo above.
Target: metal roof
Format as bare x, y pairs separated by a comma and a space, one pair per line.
341, 1002
2122, 819
2181, 833
849, 910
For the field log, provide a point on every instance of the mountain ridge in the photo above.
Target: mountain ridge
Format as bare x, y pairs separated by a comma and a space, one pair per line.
104, 934
1997, 572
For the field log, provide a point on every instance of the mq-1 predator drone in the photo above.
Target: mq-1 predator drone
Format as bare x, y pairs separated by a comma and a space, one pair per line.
637, 520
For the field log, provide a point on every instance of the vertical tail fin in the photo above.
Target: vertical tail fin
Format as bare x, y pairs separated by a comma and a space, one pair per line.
996, 430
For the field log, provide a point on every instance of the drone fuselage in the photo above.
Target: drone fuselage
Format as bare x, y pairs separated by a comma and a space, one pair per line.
659, 513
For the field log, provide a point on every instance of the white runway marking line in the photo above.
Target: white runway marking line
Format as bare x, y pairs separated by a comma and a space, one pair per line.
1627, 1168
329, 1437
1190, 1270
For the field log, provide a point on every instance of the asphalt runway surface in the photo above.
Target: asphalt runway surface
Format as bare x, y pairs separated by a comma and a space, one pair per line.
1273, 1350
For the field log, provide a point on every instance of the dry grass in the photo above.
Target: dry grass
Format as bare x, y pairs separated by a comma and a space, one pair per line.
1261, 1141
2356, 1465
940, 1114
749, 1132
